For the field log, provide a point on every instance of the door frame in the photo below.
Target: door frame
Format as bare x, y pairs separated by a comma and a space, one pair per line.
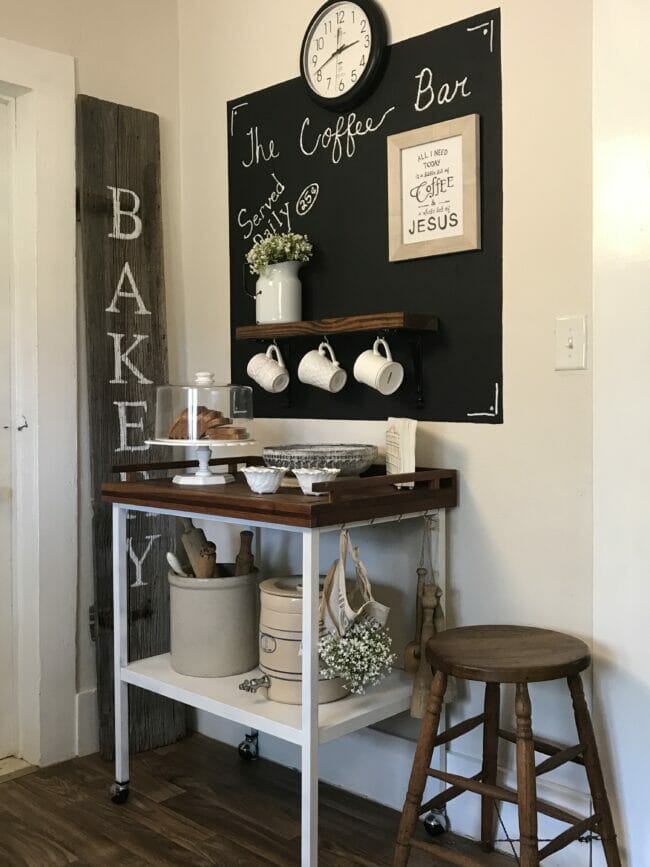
8, 714
44, 453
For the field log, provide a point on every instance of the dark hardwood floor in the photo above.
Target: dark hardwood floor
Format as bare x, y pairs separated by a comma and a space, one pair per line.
195, 803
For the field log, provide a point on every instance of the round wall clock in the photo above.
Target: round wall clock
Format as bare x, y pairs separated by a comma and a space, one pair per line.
343, 52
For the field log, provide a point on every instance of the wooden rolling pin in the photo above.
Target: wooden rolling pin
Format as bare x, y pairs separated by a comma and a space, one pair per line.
207, 563
198, 549
424, 676
412, 650
438, 627
245, 562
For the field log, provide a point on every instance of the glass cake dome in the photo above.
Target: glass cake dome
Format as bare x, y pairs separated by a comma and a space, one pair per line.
204, 416
204, 413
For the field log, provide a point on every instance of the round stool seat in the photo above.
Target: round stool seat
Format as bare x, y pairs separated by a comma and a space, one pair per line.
507, 654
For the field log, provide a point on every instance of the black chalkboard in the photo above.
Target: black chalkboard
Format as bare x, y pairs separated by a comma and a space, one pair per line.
350, 273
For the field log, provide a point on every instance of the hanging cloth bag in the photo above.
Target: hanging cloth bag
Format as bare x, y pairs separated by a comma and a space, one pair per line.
337, 611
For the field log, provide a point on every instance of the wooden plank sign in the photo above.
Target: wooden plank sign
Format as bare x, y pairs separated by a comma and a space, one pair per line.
118, 166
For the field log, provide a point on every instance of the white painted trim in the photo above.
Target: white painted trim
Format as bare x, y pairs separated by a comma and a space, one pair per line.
45, 392
8, 687
87, 723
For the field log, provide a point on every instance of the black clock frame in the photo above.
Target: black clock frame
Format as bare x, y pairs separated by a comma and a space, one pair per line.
374, 67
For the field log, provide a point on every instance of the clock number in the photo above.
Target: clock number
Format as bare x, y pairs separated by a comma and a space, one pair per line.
353, 15
319, 75
362, 62
353, 75
340, 17
314, 59
320, 43
364, 24
328, 26
366, 41
341, 85
329, 81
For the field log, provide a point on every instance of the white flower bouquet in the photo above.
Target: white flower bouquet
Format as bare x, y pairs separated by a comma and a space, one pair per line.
288, 247
362, 657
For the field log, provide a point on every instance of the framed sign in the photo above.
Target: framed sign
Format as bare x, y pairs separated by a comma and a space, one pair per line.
434, 189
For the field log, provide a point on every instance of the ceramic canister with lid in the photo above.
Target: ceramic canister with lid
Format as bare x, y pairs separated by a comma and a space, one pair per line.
281, 643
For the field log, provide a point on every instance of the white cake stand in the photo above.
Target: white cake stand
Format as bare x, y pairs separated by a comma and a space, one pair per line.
203, 475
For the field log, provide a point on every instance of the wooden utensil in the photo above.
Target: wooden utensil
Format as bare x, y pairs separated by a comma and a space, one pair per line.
207, 561
245, 563
412, 650
424, 676
194, 541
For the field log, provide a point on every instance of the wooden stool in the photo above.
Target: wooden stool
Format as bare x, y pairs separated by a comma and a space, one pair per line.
494, 655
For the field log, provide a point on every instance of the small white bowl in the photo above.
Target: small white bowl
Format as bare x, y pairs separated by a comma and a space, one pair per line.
264, 480
307, 477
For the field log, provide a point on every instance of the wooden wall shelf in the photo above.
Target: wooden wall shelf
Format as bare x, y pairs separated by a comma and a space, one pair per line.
340, 325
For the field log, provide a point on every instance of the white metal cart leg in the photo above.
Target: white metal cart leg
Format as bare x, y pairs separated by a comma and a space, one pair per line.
120, 789
310, 598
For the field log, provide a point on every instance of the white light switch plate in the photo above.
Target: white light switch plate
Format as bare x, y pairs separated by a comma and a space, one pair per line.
570, 342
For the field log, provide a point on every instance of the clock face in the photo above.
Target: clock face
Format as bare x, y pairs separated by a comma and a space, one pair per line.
338, 50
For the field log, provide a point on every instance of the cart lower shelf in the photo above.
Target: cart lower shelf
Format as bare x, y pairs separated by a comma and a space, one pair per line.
222, 697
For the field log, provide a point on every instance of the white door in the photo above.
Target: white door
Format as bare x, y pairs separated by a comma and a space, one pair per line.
8, 733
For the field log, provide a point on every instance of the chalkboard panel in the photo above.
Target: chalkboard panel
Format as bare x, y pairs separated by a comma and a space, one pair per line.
279, 146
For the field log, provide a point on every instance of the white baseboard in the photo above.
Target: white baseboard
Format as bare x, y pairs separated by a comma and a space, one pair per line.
87, 723
377, 766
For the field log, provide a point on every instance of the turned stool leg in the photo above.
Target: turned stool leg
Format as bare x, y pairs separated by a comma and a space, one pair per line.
526, 780
594, 772
490, 758
422, 763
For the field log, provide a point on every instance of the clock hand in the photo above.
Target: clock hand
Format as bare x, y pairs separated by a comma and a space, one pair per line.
345, 47
338, 51
331, 57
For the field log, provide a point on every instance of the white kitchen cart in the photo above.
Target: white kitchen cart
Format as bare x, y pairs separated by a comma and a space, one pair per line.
348, 502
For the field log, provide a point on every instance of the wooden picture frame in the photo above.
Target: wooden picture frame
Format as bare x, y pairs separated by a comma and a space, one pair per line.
430, 210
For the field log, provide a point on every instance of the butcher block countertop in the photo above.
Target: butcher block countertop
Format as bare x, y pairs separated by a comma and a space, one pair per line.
372, 495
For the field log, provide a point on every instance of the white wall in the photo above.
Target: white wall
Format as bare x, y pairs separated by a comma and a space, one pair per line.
621, 414
521, 540
125, 52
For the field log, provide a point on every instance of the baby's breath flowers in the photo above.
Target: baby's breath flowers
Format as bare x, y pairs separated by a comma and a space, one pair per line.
362, 657
288, 247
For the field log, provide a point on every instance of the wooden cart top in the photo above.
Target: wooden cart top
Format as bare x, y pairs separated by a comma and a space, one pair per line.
344, 501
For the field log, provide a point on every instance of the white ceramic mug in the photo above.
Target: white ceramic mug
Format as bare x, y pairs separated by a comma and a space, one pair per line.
269, 373
379, 371
317, 369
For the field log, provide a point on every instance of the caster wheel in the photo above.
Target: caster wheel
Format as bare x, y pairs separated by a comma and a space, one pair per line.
119, 793
249, 748
436, 823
